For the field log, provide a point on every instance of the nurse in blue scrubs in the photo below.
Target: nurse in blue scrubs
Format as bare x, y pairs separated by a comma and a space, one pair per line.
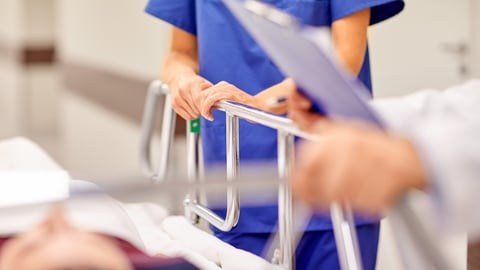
212, 58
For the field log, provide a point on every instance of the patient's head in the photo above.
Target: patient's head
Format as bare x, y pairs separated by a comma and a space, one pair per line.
55, 244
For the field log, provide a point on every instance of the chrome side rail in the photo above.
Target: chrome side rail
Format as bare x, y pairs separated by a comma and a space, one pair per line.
346, 237
193, 209
347, 242
286, 227
156, 90
342, 217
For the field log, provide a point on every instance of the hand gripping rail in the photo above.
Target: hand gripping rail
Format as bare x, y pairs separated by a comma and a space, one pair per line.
342, 218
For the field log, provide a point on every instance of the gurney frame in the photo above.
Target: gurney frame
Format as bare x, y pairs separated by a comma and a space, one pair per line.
342, 218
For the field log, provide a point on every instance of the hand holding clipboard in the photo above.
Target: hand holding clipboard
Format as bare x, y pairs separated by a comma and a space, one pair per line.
303, 53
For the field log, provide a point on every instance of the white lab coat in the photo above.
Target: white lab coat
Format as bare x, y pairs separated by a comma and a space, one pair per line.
444, 126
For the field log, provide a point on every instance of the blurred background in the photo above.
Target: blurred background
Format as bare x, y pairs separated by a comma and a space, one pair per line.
74, 73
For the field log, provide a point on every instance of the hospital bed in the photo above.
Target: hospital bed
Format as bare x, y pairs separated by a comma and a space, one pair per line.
283, 254
419, 247
176, 237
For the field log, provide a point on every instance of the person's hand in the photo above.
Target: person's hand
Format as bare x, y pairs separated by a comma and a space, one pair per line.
272, 99
186, 99
299, 108
223, 91
357, 164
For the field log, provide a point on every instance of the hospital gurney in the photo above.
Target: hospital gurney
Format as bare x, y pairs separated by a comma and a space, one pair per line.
344, 227
418, 247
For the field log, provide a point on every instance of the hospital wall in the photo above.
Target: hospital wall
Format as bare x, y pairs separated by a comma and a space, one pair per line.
475, 38
429, 45
106, 64
27, 76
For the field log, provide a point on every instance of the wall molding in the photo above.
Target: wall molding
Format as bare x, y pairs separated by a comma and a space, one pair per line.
28, 54
121, 94
38, 55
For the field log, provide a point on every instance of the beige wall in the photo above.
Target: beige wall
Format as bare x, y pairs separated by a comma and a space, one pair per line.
39, 22
408, 52
115, 35
24, 23
10, 99
10, 37
11, 21
475, 37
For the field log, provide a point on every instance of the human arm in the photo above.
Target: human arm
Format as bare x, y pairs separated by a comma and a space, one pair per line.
444, 126
356, 163
180, 72
436, 149
189, 90
349, 36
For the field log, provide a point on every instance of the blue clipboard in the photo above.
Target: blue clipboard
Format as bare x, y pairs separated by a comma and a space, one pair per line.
302, 53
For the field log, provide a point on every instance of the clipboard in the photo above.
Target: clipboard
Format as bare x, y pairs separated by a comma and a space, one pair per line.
304, 53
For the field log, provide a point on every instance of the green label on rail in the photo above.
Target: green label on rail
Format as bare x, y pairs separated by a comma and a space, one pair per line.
195, 125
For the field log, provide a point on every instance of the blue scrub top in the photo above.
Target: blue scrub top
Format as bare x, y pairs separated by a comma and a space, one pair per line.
228, 53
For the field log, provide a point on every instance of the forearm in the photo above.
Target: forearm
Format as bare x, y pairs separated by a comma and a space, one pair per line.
177, 65
277, 90
349, 36
272, 98
182, 59
180, 72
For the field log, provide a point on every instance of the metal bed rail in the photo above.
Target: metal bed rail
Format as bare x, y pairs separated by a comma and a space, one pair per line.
157, 90
193, 208
342, 217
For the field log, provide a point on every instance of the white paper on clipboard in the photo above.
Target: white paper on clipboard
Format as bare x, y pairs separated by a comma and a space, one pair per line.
302, 53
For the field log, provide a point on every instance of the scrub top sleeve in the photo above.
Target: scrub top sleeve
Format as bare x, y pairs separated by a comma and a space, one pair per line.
179, 13
380, 9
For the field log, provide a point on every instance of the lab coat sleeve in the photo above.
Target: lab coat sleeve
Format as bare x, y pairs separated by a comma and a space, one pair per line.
445, 129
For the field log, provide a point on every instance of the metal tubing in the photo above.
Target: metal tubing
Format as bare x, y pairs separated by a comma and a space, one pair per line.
233, 203
233, 163
265, 119
193, 171
342, 218
344, 229
285, 201
155, 91
346, 238
204, 212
